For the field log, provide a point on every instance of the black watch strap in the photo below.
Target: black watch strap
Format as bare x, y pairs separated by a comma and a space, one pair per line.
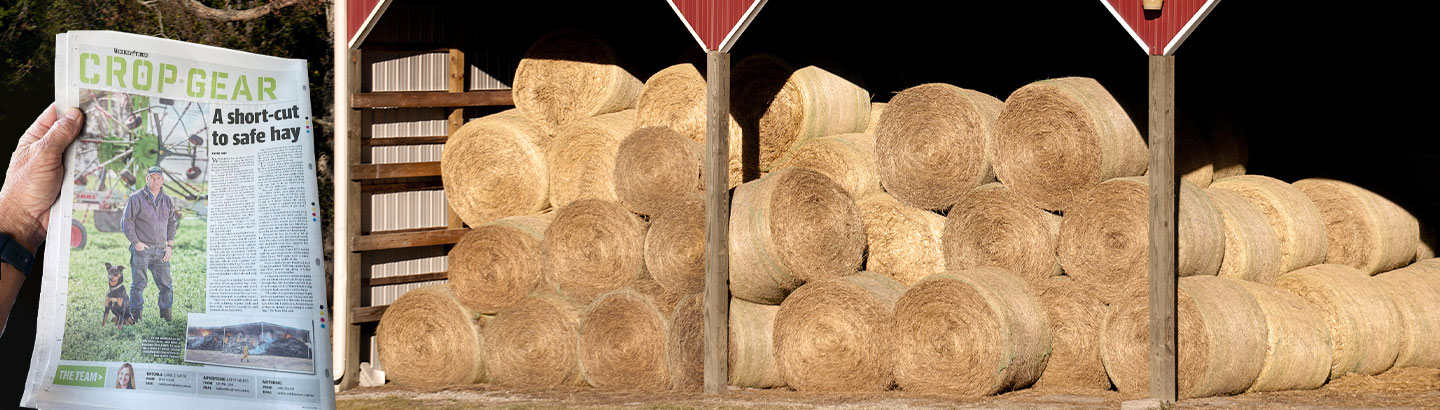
12, 253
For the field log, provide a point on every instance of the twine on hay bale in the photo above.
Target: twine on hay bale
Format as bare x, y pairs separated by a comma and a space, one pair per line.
569, 75
494, 167
993, 226
902, 242
778, 105
1252, 252
752, 347
655, 165
1105, 240
835, 334
1296, 221
1415, 291
535, 343
1230, 148
497, 264
1194, 160
790, 227
1297, 349
847, 159
1221, 333
593, 247
582, 158
428, 338
931, 144
675, 246
1056, 139
1364, 230
971, 332
1075, 318
675, 98
875, 110
623, 340
1364, 324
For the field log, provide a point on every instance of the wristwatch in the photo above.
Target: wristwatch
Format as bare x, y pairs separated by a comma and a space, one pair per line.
12, 253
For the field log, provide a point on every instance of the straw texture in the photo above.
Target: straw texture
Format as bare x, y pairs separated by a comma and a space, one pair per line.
623, 341
876, 109
847, 159
686, 362
428, 338
655, 165
497, 264
788, 228
902, 242
993, 226
1425, 247
752, 348
1075, 318
1056, 139
1296, 221
1297, 347
780, 106
1364, 324
675, 98
535, 343
974, 332
1364, 230
1194, 160
931, 144
592, 247
568, 76
582, 158
834, 335
1415, 291
495, 167
1251, 250
1105, 242
675, 246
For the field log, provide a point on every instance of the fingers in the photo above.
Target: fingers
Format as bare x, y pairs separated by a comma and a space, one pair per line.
62, 133
40, 126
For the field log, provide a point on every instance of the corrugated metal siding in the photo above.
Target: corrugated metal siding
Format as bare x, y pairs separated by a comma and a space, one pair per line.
407, 210
407, 70
490, 70
398, 262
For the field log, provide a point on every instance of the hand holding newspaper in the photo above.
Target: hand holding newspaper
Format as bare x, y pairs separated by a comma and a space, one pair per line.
191, 275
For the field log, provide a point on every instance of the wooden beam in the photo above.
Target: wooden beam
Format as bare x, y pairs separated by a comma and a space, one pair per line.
1164, 212
456, 120
360, 172
393, 141
396, 280
366, 314
432, 99
423, 185
400, 240
717, 223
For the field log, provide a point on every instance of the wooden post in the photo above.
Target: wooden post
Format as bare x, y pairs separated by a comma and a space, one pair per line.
457, 119
1164, 211
717, 222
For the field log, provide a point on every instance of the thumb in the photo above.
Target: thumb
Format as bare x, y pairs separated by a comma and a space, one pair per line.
62, 133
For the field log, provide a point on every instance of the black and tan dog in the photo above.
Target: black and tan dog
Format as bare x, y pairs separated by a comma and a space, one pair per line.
117, 300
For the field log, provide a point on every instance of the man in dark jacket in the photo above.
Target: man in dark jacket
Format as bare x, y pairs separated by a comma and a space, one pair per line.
149, 223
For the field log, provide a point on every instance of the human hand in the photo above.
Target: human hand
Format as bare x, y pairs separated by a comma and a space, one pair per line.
36, 171
140, 246
167, 254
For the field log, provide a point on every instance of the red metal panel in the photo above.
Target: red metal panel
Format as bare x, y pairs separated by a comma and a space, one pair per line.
1156, 30
712, 20
356, 14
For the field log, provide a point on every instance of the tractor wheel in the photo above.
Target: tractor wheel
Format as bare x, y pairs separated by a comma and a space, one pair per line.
77, 235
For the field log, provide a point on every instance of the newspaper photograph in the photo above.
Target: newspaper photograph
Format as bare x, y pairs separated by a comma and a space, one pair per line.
194, 270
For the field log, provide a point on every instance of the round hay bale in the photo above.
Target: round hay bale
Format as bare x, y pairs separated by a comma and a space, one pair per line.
592, 247
1296, 221
875, 110
623, 341
568, 76
834, 335
497, 264
655, 165
752, 347
1194, 160
1364, 230
675, 98
972, 332
847, 159
1425, 246
902, 242
930, 144
428, 338
686, 362
1297, 348
1364, 324
1221, 333
1075, 318
779, 105
788, 228
1105, 240
993, 226
675, 246
1415, 291
582, 158
1056, 139
494, 167
535, 343
1230, 149
1251, 250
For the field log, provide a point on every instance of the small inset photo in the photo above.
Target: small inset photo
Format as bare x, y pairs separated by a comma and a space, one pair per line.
282, 344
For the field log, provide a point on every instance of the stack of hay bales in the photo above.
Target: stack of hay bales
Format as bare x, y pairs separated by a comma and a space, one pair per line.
903, 242
1415, 291
779, 106
1364, 230
428, 338
675, 98
1294, 218
834, 335
931, 144
791, 227
495, 167
993, 226
1365, 327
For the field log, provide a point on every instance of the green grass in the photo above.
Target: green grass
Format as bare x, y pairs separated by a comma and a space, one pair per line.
86, 338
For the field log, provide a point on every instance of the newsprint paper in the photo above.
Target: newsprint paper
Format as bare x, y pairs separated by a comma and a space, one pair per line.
191, 273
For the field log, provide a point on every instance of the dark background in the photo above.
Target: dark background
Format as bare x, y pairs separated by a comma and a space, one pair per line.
1320, 90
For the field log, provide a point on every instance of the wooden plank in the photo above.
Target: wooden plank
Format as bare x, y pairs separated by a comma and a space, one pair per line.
348, 277
422, 99
1164, 211
406, 239
366, 314
360, 172
717, 223
421, 185
393, 141
396, 280
456, 120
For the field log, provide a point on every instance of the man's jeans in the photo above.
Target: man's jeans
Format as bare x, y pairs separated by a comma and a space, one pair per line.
152, 258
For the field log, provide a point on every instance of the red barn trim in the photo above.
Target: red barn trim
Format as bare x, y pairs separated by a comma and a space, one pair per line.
1160, 35
362, 16
709, 20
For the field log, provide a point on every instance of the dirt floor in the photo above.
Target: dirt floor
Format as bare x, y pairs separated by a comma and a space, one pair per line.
259, 361
1400, 388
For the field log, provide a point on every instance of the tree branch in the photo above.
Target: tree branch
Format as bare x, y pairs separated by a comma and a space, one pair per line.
206, 12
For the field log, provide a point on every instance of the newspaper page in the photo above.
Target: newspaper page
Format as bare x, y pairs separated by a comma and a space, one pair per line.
184, 266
